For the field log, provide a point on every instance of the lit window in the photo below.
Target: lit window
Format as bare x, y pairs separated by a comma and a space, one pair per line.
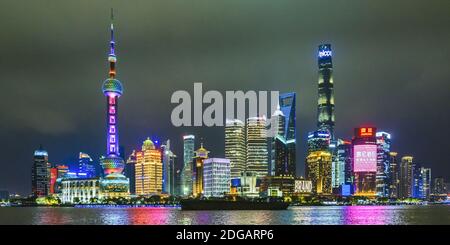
112, 119
112, 139
112, 129
112, 100
112, 148
112, 109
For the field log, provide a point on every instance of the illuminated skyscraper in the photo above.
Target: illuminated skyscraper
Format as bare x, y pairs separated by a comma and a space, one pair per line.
188, 156
394, 175
406, 177
85, 165
200, 156
235, 146
318, 171
364, 161
325, 109
148, 170
257, 152
168, 169
115, 184
216, 176
282, 155
383, 159
343, 167
130, 171
425, 183
318, 167
40, 174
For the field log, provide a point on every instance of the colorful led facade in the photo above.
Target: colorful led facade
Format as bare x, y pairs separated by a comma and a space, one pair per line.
235, 146
325, 103
115, 184
364, 158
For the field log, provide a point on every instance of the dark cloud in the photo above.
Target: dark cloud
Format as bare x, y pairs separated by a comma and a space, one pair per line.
391, 64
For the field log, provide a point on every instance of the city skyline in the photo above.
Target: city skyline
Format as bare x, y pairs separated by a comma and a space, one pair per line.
136, 126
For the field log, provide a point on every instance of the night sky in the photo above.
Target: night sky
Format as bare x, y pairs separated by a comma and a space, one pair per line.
391, 69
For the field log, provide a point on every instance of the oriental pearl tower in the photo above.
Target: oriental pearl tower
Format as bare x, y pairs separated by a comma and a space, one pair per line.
114, 184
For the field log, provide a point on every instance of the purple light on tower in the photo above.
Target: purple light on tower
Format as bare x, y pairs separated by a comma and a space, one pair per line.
112, 89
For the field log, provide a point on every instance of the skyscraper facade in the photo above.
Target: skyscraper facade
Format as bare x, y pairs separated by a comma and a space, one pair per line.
426, 183
394, 175
200, 156
168, 169
235, 146
383, 160
85, 165
319, 162
130, 171
216, 177
405, 177
257, 151
325, 109
115, 184
282, 155
188, 156
343, 167
364, 161
40, 174
148, 170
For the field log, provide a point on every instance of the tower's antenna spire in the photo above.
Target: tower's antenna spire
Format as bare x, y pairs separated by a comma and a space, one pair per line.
112, 56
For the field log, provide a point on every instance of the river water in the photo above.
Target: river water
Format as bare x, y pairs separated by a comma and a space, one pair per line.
311, 215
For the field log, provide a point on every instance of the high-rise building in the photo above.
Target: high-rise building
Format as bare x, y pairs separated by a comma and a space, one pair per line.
168, 169
343, 167
405, 177
318, 171
282, 147
325, 109
115, 184
216, 177
200, 156
319, 162
364, 161
425, 188
130, 171
188, 156
257, 151
383, 159
53, 179
148, 170
394, 175
86, 166
235, 146
439, 187
40, 174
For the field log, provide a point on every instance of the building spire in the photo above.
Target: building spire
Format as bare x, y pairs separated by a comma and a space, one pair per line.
112, 56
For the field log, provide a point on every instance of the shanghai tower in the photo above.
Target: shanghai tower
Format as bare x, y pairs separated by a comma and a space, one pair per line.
325, 103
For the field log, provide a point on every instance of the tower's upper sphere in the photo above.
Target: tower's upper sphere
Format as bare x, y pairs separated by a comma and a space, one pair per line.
112, 85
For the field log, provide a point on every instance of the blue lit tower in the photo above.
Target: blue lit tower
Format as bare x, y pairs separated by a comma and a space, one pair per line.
113, 164
325, 103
